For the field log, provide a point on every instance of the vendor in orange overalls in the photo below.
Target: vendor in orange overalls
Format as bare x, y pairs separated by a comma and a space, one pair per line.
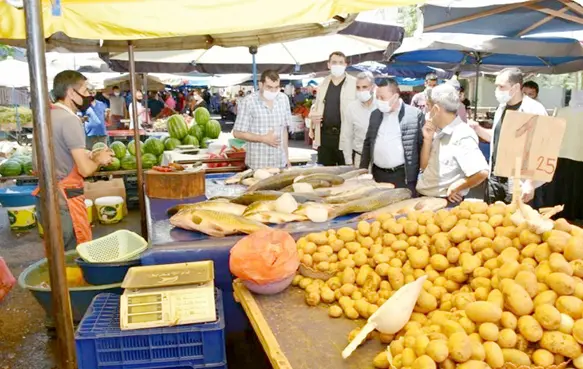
72, 162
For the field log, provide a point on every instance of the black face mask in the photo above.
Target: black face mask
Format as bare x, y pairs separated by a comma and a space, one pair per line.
85, 104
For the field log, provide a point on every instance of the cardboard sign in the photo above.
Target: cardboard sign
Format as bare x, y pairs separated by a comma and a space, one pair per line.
534, 138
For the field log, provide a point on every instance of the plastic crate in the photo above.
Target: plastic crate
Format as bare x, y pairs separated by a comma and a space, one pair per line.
102, 345
116, 247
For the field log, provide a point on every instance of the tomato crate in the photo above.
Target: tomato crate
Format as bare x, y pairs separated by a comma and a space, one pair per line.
101, 344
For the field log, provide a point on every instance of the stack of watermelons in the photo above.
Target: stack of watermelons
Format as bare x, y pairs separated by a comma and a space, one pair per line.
16, 165
200, 132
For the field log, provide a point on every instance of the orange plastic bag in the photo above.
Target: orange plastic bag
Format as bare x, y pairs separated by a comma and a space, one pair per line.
7, 280
264, 257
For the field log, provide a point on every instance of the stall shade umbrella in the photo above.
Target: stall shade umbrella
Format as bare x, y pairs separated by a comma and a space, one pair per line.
402, 70
537, 55
511, 18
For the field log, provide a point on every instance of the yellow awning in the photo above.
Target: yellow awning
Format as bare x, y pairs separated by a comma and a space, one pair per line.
83, 23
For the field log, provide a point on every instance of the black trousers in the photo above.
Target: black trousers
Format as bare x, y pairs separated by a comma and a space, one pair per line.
396, 177
497, 189
329, 154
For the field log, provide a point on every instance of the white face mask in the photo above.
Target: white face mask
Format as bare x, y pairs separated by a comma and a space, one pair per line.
337, 70
116, 93
363, 96
503, 96
387, 106
270, 95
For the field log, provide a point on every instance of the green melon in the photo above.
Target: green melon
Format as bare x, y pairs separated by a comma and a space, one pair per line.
153, 146
149, 160
196, 131
119, 149
204, 143
177, 127
202, 116
190, 140
10, 168
99, 145
22, 159
160, 158
114, 165
132, 147
128, 163
172, 143
27, 167
213, 129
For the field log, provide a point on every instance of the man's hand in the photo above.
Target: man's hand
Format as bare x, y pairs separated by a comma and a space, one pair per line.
527, 191
453, 192
271, 139
455, 198
316, 119
103, 157
428, 131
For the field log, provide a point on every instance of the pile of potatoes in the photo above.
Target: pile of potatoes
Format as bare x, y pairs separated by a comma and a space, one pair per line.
495, 292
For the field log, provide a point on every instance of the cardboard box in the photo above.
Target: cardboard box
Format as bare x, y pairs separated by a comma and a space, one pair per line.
114, 187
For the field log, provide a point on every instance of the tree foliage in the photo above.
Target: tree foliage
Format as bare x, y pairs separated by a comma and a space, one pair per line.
408, 19
5, 51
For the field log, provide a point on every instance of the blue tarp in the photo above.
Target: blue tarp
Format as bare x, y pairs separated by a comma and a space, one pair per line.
511, 22
406, 70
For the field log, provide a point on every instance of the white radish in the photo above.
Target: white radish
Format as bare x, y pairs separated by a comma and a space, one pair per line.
317, 214
261, 174
286, 204
303, 187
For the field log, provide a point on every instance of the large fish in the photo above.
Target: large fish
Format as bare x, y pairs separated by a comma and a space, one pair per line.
214, 223
250, 197
314, 184
221, 205
287, 177
407, 206
358, 193
372, 202
354, 173
259, 206
275, 217
333, 179
238, 177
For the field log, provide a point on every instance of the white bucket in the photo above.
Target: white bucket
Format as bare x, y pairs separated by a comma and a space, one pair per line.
109, 209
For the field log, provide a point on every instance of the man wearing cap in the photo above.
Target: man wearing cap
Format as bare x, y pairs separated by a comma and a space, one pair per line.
461, 111
420, 99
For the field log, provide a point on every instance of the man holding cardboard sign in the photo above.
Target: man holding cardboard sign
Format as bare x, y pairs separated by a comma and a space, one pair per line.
509, 94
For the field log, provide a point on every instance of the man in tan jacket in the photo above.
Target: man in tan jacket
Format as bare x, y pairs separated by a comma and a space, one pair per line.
328, 114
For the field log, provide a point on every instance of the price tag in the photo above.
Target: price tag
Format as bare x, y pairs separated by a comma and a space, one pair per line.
534, 138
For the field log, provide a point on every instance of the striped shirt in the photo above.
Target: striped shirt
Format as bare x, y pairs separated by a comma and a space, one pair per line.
254, 116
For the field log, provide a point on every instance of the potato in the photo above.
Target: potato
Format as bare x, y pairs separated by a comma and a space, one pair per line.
495, 297
548, 316
561, 283
362, 275
419, 259
305, 282
426, 303
335, 311
456, 274
509, 269
481, 243
515, 357
348, 276
530, 328
448, 223
508, 320
347, 289
346, 234
323, 266
574, 249
327, 295
381, 361
557, 240
351, 313
478, 352
545, 297
559, 264
450, 327
460, 347
360, 258
437, 350
439, 262
528, 281
469, 263
452, 255
352, 247
408, 356
483, 311
468, 326
571, 306
421, 342
312, 298
517, 300
560, 343
507, 338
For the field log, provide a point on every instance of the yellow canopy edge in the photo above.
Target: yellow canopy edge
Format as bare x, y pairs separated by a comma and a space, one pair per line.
147, 19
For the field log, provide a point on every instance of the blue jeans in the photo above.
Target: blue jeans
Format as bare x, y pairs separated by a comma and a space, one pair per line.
69, 239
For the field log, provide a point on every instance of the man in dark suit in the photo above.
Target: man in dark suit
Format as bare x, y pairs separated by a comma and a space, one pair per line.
394, 138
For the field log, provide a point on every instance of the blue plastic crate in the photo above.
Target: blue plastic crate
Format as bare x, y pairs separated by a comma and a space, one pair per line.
102, 345
16, 196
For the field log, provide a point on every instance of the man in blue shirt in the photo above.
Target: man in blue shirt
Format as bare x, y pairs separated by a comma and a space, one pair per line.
95, 130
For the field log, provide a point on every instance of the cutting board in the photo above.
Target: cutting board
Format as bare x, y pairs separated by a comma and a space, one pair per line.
175, 185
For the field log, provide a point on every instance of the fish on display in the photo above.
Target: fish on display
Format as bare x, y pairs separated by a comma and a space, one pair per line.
250, 197
357, 193
372, 202
287, 177
275, 217
259, 206
354, 173
313, 183
216, 205
237, 178
214, 223
333, 179
407, 206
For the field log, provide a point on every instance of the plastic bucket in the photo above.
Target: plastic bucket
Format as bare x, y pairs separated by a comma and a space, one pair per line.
109, 209
89, 205
22, 218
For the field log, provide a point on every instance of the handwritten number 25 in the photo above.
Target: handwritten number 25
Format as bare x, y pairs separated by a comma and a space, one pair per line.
547, 166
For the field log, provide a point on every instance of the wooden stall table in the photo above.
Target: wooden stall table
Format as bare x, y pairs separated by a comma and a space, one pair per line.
295, 335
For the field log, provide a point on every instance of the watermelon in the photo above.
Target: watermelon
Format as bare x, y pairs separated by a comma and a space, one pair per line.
99, 145
114, 165
177, 126
132, 147
149, 160
153, 146
202, 116
213, 129
27, 167
22, 159
128, 162
171, 144
204, 144
190, 140
10, 168
160, 159
196, 131
119, 149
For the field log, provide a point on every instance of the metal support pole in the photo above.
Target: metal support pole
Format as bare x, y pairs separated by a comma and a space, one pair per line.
253, 52
140, 171
48, 184
476, 91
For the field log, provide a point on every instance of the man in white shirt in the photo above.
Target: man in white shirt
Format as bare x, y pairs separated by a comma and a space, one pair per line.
510, 96
358, 116
451, 160
394, 138
420, 99
142, 111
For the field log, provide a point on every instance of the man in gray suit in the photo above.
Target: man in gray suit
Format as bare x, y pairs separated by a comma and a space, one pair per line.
394, 138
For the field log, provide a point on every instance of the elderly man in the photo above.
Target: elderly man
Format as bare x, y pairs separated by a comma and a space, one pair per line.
358, 116
510, 96
461, 112
394, 138
263, 119
420, 99
451, 161
328, 113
